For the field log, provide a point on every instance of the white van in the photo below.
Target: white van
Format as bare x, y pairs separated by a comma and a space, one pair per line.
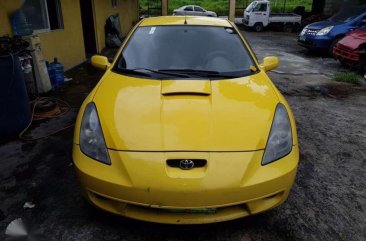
258, 16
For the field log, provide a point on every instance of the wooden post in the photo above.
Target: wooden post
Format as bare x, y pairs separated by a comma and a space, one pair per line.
164, 7
232, 4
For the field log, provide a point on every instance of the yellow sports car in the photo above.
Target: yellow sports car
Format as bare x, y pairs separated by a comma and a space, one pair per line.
185, 127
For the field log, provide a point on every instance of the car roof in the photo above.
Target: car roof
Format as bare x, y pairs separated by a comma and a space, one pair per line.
191, 20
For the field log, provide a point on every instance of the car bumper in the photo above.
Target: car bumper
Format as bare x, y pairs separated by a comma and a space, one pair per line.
315, 42
140, 185
345, 54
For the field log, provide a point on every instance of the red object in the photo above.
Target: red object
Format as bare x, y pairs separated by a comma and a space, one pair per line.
352, 48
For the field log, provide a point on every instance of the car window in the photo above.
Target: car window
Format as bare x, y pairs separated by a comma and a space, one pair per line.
189, 8
262, 7
346, 15
198, 9
362, 22
205, 48
251, 6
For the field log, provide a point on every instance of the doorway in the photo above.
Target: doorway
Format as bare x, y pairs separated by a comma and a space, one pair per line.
87, 20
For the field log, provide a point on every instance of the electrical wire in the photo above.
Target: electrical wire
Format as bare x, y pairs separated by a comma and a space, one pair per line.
62, 107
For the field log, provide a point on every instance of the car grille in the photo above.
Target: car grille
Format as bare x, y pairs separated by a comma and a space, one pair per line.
343, 52
344, 48
196, 163
311, 31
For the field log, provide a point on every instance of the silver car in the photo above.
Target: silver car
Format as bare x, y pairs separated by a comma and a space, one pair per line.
193, 10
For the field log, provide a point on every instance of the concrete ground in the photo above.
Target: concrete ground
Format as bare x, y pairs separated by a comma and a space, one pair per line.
327, 202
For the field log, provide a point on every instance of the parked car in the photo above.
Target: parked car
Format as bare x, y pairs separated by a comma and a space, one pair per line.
193, 10
258, 16
185, 127
324, 35
351, 50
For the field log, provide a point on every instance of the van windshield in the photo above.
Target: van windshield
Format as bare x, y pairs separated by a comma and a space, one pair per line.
251, 6
186, 51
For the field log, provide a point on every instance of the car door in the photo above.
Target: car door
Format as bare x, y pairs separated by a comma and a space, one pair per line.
261, 13
199, 11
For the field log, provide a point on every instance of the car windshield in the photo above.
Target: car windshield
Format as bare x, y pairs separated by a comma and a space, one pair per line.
346, 15
191, 50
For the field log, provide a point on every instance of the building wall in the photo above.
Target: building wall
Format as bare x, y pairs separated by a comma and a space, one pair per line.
6, 7
67, 44
128, 15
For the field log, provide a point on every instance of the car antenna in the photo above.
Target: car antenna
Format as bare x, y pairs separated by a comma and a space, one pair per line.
185, 18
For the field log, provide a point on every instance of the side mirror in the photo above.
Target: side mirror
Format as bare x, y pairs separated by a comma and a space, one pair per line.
100, 62
270, 63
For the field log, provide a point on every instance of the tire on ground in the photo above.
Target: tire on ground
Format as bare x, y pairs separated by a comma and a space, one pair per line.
258, 27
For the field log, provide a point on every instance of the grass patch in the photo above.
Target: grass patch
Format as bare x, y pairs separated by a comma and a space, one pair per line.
347, 77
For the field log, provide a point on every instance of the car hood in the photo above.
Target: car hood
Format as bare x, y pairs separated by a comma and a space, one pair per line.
354, 39
186, 115
323, 24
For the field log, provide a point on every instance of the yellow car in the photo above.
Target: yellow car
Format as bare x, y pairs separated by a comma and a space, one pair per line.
185, 127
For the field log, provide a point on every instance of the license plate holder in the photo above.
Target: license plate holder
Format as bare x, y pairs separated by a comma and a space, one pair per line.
192, 211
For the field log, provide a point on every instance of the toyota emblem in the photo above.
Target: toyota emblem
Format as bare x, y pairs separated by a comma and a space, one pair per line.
186, 164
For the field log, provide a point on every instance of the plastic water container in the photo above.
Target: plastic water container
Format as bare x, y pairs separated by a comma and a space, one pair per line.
20, 24
59, 72
15, 111
52, 74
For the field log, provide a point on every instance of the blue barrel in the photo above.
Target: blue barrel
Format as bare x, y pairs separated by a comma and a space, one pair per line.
59, 72
15, 111
52, 74
20, 24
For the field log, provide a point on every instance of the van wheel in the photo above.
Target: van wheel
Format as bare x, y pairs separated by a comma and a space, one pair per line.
258, 27
288, 28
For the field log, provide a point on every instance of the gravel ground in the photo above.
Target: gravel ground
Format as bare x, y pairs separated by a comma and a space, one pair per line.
327, 202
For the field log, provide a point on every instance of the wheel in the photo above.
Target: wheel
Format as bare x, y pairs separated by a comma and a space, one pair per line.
288, 28
258, 27
334, 42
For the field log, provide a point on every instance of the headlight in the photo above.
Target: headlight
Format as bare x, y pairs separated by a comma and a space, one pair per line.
92, 141
304, 30
325, 31
279, 143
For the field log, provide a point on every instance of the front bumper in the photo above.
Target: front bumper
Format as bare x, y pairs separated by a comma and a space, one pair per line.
344, 53
315, 42
140, 185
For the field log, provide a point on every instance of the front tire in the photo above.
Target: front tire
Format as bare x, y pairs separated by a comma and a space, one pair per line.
258, 27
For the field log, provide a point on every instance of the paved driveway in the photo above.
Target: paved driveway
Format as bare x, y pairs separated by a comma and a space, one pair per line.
328, 201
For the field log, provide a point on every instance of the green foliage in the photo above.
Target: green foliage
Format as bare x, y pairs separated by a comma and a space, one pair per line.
348, 77
221, 7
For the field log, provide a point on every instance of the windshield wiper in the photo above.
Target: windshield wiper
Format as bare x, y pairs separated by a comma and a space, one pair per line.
134, 72
145, 72
190, 71
207, 73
